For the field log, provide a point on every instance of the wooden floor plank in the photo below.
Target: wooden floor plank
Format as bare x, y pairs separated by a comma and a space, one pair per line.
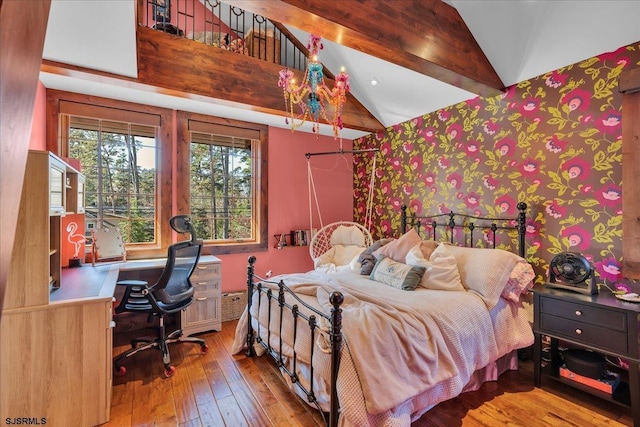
221, 389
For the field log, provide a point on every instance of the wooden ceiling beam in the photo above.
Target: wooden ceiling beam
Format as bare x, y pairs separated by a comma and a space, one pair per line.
426, 36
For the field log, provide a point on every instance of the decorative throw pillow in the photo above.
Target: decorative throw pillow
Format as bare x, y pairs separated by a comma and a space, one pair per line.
397, 250
397, 274
520, 281
441, 269
366, 258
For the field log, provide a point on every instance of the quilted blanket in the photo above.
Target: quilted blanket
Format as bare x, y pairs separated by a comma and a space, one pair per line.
399, 344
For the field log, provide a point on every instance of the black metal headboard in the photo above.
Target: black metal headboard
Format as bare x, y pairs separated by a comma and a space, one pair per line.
448, 222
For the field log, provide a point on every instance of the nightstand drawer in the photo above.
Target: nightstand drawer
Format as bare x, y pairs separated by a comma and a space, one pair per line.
583, 313
584, 333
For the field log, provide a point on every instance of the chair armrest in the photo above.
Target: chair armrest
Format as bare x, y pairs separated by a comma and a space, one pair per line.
132, 282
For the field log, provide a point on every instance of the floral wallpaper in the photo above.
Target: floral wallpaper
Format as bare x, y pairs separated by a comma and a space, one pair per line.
554, 142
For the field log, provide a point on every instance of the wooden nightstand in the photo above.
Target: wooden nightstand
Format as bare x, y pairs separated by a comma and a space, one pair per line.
597, 322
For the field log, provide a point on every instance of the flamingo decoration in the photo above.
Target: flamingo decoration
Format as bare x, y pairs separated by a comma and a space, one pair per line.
75, 239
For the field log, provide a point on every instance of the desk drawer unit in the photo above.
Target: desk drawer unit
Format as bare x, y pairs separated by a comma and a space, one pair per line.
205, 313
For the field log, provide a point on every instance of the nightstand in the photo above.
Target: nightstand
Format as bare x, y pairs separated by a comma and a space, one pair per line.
598, 322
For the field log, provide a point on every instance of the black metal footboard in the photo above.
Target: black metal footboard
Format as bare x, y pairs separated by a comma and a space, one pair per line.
279, 295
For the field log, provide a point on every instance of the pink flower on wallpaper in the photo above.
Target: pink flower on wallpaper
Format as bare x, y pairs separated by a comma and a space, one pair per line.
490, 127
444, 115
416, 162
508, 93
443, 162
555, 80
380, 210
380, 135
385, 188
472, 147
554, 209
615, 56
429, 133
577, 168
530, 167
407, 147
459, 195
386, 149
429, 178
385, 227
395, 202
578, 237
472, 200
506, 204
530, 106
454, 131
396, 164
610, 123
442, 208
397, 128
506, 147
407, 189
555, 145
487, 237
577, 99
473, 103
609, 195
490, 182
454, 180
416, 206
532, 227
608, 268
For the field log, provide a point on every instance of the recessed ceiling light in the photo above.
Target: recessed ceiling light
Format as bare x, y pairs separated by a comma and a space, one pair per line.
374, 81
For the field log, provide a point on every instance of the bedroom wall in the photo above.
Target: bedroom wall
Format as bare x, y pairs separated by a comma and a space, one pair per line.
553, 142
289, 201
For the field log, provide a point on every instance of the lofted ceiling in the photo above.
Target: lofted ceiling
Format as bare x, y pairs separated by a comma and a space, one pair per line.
425, 54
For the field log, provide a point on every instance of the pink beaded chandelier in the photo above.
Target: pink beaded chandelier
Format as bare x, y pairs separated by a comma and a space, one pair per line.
310, 100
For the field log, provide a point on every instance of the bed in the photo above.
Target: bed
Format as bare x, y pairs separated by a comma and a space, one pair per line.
382, 348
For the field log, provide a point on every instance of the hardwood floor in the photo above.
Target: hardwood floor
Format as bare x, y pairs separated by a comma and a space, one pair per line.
219, 389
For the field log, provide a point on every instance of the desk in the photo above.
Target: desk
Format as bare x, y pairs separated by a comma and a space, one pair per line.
57, 357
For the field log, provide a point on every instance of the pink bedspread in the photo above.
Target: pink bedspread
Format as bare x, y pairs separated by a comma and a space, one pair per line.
401, 346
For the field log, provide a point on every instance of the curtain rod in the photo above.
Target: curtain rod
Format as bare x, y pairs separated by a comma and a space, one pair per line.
308, 155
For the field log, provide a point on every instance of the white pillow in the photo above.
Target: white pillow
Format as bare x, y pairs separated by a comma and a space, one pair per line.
340, 255
347, 235
484, 271
441, 269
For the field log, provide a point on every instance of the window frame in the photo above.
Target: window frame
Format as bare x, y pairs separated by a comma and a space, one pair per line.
231, 128
61, 104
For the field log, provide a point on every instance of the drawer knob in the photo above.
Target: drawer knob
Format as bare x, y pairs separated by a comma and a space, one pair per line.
201, 283
578, 313
578, 331
201, 299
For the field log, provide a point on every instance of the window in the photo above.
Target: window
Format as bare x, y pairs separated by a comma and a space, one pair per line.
121, 149
119, 162
226, 182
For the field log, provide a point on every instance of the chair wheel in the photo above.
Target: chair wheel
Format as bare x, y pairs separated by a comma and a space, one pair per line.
204, 348
168, 372
120, 371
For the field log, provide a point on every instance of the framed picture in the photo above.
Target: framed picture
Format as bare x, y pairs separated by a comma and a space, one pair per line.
162, 10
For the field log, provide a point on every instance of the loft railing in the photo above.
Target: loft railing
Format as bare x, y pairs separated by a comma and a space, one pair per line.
223, 26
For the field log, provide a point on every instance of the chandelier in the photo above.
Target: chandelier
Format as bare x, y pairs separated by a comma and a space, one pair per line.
312, 99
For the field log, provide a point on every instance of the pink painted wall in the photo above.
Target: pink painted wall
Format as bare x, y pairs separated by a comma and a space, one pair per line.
39, 126
289, 201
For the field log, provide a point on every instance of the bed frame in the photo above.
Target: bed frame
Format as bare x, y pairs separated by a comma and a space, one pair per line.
447, 225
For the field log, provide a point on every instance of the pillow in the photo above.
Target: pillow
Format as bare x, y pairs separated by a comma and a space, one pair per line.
339, 255
366, 258
397, 249
441, 269
520, 281
347, 235
484, 271
397, 274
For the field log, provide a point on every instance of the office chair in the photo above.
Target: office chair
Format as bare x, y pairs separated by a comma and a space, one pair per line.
172, 293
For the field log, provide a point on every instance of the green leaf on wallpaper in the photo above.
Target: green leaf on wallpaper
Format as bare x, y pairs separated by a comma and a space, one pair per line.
595, 216
588, 62
614, 73
588, 203
600, 89
555, 112
555, 243
559, 187
601, 162
593, 72
557, 121
615, 221
615, 146
589, 132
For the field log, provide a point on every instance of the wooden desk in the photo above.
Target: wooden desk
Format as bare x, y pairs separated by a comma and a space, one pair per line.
57, 358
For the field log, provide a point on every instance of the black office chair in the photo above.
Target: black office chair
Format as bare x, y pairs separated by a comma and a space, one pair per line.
172, 293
